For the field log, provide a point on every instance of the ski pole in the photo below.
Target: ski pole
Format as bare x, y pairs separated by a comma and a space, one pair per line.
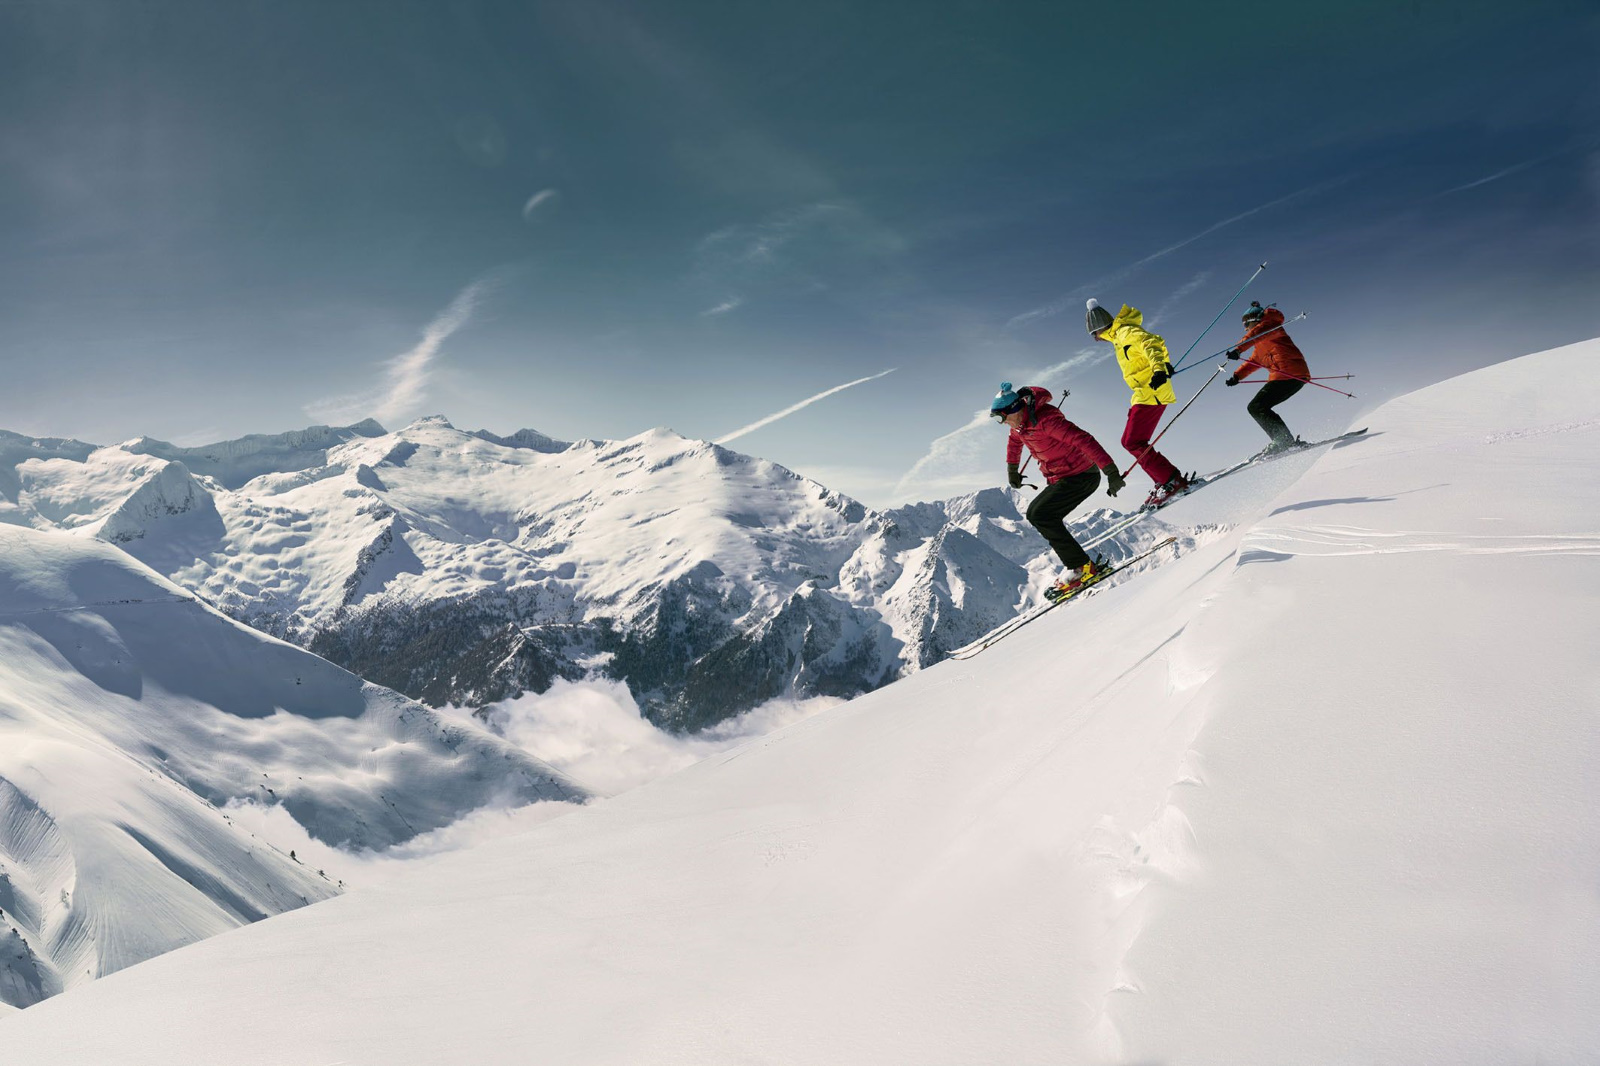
1220, 313
1303, 381
1263, 333
1174, 418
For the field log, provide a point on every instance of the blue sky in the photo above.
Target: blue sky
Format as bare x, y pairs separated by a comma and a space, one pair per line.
591, 218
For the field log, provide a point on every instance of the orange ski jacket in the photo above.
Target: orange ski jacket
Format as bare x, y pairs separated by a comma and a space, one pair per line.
1276, 351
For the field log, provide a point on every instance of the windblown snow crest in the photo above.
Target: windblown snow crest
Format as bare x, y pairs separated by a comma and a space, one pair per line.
466, 568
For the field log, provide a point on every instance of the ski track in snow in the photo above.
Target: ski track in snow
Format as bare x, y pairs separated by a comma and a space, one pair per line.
1266, 545
1541, 431
97, 605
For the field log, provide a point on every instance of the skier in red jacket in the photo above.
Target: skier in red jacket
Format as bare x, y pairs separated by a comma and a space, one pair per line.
1286, 368
1070, 461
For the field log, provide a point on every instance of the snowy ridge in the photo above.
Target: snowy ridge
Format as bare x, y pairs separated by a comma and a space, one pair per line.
1268, 803
466, 567
235, 462
525, 438
16, 449
131, 715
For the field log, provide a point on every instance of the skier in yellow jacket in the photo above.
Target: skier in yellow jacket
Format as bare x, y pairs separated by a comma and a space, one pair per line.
1147, 369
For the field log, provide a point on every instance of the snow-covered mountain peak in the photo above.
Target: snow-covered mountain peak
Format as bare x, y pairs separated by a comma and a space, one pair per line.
427, 422
531, 439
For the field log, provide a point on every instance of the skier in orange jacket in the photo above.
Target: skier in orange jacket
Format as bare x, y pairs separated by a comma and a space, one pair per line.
1287, 373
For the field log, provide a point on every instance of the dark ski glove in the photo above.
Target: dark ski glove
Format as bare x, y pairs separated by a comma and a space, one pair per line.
1014, 475
1231, 381
1232, 353
1114, 481
1158, 379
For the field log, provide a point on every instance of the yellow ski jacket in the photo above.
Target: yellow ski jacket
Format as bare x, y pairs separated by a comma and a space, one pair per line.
1140, 354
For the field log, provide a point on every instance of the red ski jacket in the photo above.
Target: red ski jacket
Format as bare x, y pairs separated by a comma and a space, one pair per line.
1275, 352
1061, 448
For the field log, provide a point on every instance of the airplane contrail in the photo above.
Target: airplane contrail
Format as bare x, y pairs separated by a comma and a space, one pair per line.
787, 411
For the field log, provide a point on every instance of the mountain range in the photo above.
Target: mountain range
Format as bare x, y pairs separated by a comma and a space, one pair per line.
464, 568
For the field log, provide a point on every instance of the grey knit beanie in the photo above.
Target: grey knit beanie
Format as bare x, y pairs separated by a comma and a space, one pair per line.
1098, 317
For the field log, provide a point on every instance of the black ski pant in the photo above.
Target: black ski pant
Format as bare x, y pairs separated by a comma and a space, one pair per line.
1054, 504
1261, 408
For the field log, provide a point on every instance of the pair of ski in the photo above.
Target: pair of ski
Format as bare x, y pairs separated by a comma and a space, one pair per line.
1200, 483
1268, 456
999, 633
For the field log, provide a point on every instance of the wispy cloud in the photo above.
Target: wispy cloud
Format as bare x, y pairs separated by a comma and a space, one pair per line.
723, 308
807, 249
195, 438
543, 196
1088, 355
1183, 292
406, 376
759, 243
953, 463
792, 408
1077, 295
965, 459
1508, 171
828, 226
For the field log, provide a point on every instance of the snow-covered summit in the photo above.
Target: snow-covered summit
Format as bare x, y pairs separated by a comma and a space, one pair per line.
1319, 790
525, 438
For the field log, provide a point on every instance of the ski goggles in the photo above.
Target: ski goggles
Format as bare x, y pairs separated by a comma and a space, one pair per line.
1000, 414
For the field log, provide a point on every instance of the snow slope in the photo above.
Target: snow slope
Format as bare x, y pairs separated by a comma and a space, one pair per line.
1318, 791
465, 567
130, 713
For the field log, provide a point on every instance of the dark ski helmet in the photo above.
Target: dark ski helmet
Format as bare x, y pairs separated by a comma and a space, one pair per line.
1253, 313
1098, 317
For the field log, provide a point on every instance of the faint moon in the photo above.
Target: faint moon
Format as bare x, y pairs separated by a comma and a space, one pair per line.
543, 196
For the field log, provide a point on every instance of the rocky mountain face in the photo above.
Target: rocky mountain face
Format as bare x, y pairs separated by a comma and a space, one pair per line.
464, 568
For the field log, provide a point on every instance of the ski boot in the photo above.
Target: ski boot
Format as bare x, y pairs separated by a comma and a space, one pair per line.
1278, 447
1162, 495
1081, 579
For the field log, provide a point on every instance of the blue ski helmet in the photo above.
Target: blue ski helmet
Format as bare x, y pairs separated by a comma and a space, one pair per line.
1005, 402
1253, 313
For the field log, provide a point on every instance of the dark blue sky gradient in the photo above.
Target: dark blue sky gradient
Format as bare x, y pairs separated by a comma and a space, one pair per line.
224, 218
